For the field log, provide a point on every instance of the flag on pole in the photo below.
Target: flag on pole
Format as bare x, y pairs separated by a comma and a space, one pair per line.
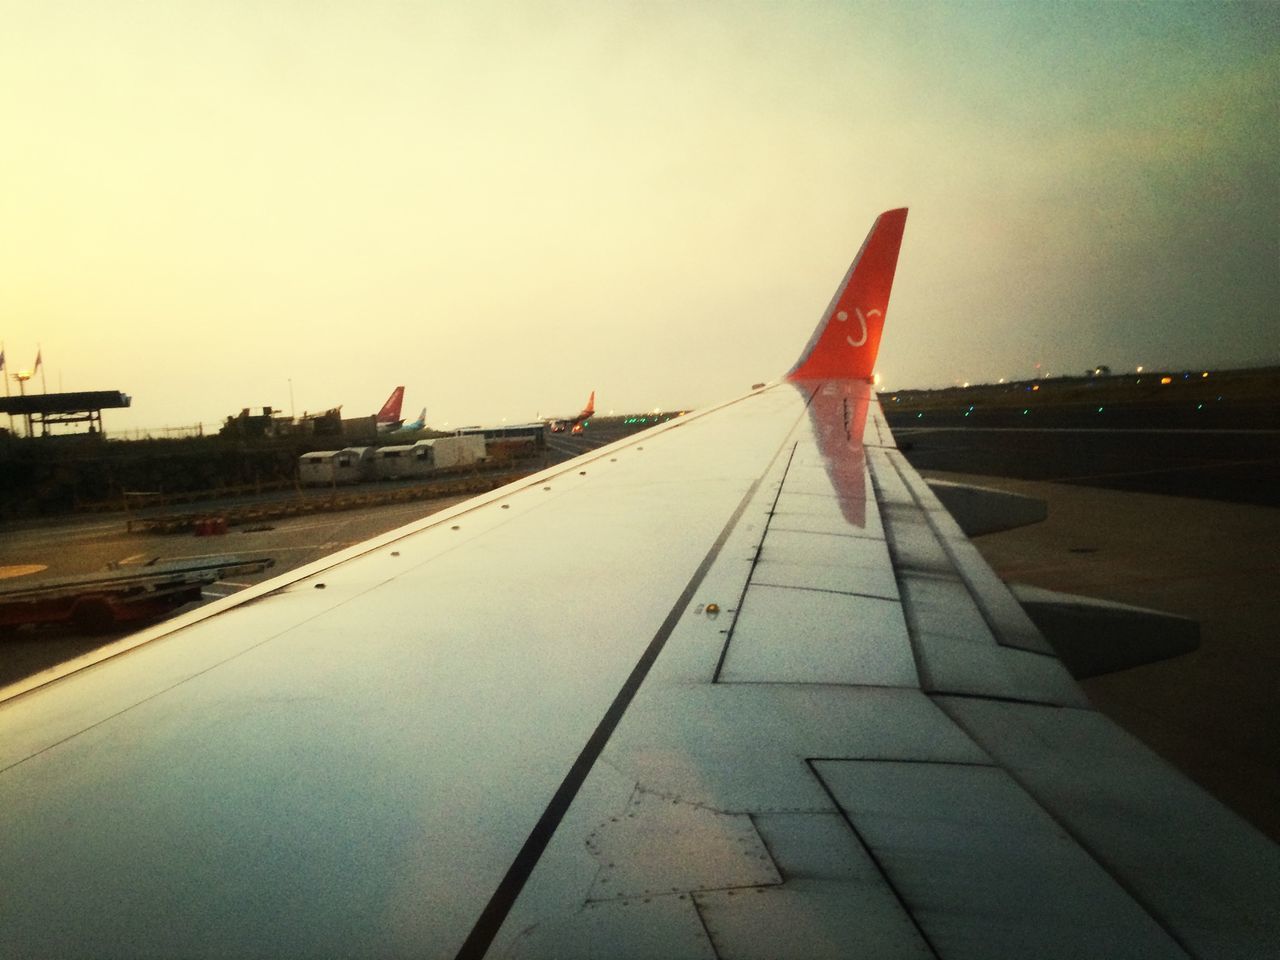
1, 358
37, 366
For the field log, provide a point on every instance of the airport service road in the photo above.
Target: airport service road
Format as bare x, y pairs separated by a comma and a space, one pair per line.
73, 549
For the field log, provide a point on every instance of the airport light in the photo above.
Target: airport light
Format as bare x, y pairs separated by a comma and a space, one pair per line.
1166, 380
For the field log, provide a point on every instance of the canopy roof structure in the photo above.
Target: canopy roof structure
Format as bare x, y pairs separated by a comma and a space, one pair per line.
47, 409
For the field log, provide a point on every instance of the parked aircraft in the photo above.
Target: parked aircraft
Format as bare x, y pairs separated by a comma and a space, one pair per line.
389, 416
575, 423
795, 714
414, 425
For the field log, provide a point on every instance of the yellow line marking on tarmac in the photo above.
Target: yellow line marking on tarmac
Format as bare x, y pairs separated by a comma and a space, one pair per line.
21, 570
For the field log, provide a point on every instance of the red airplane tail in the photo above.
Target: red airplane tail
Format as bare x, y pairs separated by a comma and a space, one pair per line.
590, 409
390, 412
845, 344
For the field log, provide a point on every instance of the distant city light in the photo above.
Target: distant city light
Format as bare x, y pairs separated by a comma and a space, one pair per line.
1036, 387
1205, 374
1139, 368
1166, 380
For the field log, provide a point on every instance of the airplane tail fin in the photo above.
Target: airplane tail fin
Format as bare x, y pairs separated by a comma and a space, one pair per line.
391, 409
590, 408
847, 339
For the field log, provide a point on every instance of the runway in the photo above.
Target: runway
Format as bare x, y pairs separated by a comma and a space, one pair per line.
1240, 466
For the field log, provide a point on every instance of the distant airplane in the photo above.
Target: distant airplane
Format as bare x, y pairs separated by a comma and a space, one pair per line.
389, 415
413, 425
574, 424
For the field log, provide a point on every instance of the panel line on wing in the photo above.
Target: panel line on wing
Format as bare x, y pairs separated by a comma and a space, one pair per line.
995, 866
755, 560
1093, 854
843, 593
912, 639
871, 854
957, 609
504, 896
1009, 625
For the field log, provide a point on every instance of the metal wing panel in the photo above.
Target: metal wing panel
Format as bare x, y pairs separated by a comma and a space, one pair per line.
988, 852
1209, 877
302, 773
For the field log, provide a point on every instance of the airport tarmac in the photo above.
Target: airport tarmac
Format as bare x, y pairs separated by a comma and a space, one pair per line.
1212, 713
73, 549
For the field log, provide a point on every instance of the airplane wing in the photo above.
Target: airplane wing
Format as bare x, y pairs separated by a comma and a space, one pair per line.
785, 710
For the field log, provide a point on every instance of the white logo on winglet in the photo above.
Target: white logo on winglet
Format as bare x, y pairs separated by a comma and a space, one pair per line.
862, 321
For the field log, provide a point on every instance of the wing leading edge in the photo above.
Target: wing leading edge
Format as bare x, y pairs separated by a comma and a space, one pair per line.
795, 715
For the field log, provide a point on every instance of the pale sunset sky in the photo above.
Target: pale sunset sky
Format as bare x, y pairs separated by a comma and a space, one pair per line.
505, 205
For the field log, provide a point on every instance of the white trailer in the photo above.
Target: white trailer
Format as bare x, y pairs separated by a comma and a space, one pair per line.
423, 458
396, 462
328, 467
364, 458
453, 451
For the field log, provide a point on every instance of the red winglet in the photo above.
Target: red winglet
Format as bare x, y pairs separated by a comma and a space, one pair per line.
845, 344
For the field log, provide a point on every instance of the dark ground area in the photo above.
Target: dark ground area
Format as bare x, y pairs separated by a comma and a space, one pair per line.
1233, 466
1214, 437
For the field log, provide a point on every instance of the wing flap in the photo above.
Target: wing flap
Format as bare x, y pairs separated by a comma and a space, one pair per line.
994, 876
1164, 839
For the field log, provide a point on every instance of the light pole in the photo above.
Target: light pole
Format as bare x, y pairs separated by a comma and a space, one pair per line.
22, 376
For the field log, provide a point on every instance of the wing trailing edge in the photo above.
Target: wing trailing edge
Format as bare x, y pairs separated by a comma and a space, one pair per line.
847, 339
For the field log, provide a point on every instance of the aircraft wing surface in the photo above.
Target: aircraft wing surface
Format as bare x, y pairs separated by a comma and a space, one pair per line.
785, 710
